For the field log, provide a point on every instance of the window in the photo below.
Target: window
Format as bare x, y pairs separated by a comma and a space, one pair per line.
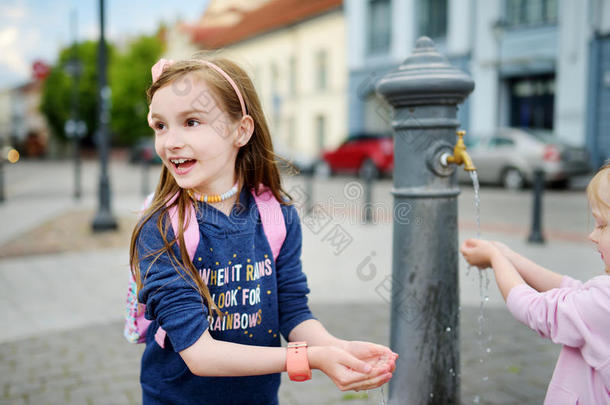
531, 12
500, 142
321, 70
432, 18
379, 26
532, 101
321, 131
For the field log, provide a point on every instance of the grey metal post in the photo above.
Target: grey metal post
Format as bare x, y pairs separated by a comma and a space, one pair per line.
536, 235
104, 220
2, 197
75, 132
368, 194
425, 91
145, 176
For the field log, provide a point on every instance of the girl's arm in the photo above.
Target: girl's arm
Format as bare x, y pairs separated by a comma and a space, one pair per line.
211, 357
315, 334
215, 358
538, 277
483, 254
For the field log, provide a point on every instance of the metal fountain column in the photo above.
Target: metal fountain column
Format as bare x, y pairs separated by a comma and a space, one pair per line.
425, 91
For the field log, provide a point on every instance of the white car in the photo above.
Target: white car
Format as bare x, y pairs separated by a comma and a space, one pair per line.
510, 156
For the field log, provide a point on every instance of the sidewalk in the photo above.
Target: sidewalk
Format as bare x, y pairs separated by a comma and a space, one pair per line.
61, 340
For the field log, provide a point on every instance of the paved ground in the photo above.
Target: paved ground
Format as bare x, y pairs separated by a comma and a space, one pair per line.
61, 337
94, 365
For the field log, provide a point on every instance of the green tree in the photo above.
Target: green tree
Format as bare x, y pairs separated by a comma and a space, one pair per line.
129, 78
57, 89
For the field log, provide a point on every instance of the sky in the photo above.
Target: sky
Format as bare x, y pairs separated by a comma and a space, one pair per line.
37, 29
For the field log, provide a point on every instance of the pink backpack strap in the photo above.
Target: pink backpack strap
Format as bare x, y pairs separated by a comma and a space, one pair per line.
272, 218
191, 240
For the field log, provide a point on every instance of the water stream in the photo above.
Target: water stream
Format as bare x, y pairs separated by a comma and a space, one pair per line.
483, 339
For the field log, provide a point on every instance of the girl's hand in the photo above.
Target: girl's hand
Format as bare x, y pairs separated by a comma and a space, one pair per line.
503, 248
346, 370
372, 353
479, 252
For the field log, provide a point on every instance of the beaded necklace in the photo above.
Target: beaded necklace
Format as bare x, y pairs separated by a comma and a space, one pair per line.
214, 198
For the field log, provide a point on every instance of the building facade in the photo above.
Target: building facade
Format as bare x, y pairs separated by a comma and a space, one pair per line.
295, 52
536, 63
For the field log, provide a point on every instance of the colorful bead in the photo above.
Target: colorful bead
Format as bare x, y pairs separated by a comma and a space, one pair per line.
213, 198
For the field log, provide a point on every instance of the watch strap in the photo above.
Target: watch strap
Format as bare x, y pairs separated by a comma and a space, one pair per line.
297, 363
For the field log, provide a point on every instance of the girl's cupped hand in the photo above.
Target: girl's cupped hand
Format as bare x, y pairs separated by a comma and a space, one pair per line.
357, 366
479, 252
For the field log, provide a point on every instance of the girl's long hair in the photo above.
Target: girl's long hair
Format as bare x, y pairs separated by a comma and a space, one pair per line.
256, 164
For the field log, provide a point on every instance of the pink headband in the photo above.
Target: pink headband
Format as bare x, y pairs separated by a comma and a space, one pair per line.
163, 64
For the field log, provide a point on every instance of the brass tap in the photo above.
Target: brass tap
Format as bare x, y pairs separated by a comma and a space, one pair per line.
460, 156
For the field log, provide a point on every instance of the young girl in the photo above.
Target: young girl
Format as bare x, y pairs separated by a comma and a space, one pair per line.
560, 308
223, 312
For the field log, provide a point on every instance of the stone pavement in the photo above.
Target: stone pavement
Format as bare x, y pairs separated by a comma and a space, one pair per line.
94, 365
61, 337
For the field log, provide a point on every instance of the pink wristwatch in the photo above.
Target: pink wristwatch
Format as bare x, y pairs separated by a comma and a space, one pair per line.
297, 363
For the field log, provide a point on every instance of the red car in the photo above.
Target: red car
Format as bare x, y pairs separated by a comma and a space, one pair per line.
359, 155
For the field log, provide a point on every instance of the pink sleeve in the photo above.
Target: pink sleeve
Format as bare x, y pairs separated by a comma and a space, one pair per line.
569, 315
567, 281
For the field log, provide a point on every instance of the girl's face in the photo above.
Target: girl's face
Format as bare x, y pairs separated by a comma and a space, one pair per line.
601, 234
194, 137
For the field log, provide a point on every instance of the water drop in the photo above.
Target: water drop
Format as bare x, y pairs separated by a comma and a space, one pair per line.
485, 378
448, 329
488, 350
432, 395
486, 298
476, 399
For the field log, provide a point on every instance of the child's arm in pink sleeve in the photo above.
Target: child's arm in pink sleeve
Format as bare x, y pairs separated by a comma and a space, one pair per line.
567, 315
567, 281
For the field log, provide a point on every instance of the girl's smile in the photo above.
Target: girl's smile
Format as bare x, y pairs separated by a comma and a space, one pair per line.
182, 166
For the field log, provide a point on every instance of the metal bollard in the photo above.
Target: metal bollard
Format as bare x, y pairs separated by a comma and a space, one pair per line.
309, 175
369, 174
145, 177
425, 91
537, 189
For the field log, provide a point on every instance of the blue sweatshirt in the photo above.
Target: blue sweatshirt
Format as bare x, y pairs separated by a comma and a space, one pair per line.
259, 297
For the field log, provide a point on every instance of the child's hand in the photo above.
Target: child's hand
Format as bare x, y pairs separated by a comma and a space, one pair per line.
346, 370
503, 248
479, 252
373, 354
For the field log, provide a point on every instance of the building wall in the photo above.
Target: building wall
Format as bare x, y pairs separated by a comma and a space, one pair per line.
5, 117
178, 45
480, 42
572, 66
293, 116
365, 70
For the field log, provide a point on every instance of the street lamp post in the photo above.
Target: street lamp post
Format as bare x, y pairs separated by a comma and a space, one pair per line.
104, 220
75, 129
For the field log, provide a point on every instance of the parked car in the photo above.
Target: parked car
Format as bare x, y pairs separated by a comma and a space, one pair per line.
360, 154
143, 151
510, 156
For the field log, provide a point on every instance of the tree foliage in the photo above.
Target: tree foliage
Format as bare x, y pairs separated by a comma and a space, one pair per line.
128, 77
57, 90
